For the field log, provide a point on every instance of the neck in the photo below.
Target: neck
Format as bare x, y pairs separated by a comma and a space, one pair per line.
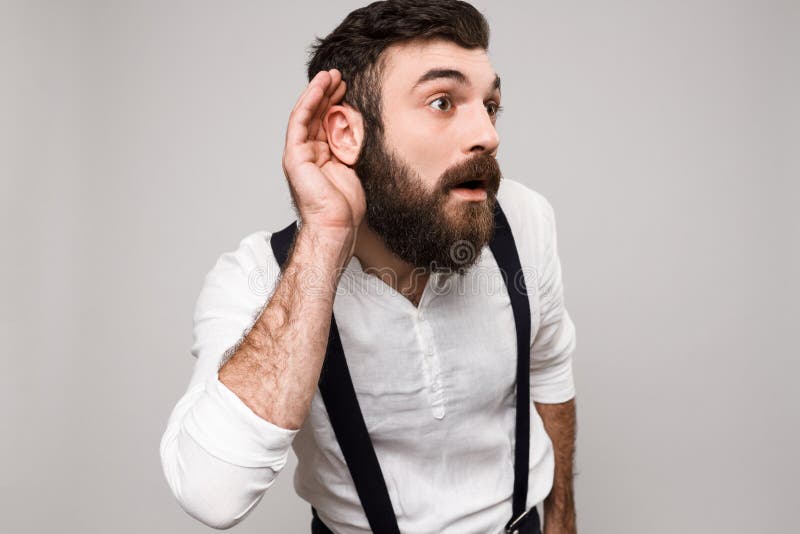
379, 261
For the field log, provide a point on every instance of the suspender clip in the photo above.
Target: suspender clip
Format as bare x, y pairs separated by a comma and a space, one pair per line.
515, 522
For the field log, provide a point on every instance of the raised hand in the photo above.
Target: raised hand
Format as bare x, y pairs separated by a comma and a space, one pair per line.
327, 193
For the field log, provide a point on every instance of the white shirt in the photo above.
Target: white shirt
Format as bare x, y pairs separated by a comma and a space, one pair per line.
436, 386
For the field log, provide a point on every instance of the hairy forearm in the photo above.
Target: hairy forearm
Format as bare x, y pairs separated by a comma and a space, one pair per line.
559, 506
276, 367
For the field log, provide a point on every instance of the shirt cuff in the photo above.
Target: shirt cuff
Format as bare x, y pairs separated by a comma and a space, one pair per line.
556, 389
225, 427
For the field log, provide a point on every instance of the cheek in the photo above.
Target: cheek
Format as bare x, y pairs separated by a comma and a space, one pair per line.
422, 144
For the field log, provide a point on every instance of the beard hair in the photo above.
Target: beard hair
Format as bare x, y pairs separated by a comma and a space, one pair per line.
416, 224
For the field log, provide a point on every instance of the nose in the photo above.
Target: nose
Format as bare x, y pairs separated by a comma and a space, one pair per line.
480, 132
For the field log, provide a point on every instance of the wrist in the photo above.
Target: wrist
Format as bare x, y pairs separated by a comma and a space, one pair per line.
331, 236
324, 248
559, 514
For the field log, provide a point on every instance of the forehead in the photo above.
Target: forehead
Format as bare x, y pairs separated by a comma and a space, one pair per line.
404, 63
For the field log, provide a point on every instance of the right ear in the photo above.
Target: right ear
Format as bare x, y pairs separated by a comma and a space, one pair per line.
344, 127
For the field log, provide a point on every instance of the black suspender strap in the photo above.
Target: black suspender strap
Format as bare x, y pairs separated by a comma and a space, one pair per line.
336, 388
281, 242
505, 253
348, 424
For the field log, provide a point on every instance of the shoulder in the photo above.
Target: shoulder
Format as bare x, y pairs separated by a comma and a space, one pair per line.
530, 216
252, 258
233, 294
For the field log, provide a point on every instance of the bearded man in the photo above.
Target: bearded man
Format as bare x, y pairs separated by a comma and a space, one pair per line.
412, 346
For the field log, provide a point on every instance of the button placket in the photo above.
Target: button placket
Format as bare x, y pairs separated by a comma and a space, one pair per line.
431, 367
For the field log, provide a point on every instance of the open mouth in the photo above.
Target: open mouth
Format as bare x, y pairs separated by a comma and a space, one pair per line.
471, 184
471, 190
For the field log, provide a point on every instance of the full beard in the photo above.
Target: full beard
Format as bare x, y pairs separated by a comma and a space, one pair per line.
417, 225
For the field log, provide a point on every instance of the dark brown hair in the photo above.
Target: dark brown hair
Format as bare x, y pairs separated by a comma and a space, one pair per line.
355, 46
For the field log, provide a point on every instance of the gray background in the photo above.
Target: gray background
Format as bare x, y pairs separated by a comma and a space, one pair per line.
140, 140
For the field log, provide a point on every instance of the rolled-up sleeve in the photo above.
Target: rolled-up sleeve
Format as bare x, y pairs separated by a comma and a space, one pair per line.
554, 342
218, 456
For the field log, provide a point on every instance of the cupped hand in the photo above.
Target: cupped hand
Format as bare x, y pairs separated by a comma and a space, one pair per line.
327, 193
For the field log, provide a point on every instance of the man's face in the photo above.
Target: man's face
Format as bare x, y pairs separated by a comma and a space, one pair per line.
439, 105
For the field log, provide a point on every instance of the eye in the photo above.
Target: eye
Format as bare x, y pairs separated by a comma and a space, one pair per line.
493, 109
445, 103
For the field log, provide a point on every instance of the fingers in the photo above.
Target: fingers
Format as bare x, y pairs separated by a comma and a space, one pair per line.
307, 113
315, 130
338, 93
297, 130
320, 78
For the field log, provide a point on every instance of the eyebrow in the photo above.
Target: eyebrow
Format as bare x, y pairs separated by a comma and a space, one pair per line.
452, 74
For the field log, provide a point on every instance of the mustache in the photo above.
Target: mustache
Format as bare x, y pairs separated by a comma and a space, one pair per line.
480, 167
